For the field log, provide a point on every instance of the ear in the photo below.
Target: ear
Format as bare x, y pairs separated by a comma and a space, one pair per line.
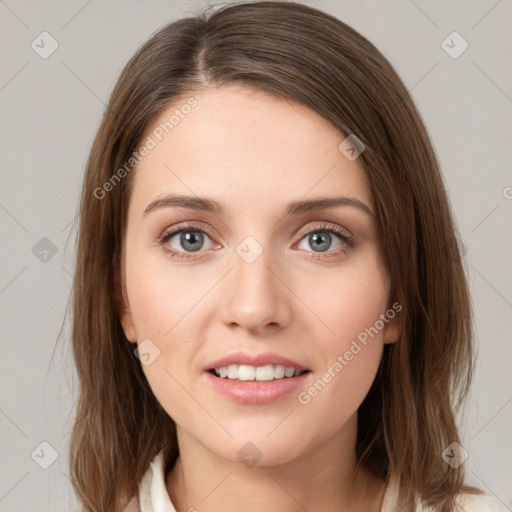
392, 329
122, 305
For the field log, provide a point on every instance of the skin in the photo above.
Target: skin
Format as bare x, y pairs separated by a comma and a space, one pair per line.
255, 154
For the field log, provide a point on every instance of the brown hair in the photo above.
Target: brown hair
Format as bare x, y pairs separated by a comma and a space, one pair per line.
302, 54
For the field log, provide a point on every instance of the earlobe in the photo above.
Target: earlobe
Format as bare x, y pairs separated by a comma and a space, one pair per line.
123, 306
391, 335
392, 330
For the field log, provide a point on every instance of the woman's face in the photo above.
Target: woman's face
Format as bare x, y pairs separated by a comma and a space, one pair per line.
253, 278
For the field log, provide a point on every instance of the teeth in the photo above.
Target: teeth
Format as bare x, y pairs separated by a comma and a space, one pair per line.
259, 373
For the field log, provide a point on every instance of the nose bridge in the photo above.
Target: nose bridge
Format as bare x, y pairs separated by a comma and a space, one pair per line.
256, 297
252, 264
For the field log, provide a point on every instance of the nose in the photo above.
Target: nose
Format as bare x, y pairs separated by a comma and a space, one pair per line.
256, 296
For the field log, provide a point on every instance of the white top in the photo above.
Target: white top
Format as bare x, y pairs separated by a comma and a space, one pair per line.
153, 495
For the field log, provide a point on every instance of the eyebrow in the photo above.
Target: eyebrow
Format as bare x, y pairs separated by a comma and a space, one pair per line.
295, 208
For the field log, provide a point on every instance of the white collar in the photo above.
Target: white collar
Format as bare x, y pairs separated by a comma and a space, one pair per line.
153, 496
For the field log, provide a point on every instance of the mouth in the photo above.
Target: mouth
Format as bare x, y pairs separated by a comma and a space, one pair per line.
256, 385
249, 373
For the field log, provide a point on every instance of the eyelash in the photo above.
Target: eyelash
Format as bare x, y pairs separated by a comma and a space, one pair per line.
189, 226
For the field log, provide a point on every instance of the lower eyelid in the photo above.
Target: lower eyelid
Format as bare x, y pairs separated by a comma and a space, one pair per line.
346, 244
164, 240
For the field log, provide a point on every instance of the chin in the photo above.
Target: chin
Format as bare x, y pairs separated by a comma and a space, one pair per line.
258, 450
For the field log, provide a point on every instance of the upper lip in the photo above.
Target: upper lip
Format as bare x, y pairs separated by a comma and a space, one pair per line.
263, 359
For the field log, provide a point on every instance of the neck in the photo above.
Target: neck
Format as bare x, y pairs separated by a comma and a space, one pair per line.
323, 478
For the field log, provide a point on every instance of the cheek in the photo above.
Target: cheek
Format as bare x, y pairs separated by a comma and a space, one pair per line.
349, 333
166, 307
160, 300
346, 302
162, 312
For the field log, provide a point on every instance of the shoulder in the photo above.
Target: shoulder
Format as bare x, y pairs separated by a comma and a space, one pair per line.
473, 503
465, 502
480, 503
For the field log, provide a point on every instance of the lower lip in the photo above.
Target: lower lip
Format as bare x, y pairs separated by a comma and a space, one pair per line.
256, 392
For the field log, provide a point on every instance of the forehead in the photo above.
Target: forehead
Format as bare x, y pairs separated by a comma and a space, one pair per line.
244, 145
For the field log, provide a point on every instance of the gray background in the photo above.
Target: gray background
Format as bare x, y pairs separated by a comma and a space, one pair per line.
50, 111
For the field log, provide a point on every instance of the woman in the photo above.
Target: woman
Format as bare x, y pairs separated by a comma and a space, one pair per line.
311, 351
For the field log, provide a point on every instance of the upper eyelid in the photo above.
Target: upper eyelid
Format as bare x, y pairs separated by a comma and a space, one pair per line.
184, 226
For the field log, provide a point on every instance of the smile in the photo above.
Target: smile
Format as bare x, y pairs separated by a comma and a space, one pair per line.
246, 372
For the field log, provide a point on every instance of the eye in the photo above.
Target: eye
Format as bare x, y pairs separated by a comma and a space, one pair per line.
320, 239
185, 239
